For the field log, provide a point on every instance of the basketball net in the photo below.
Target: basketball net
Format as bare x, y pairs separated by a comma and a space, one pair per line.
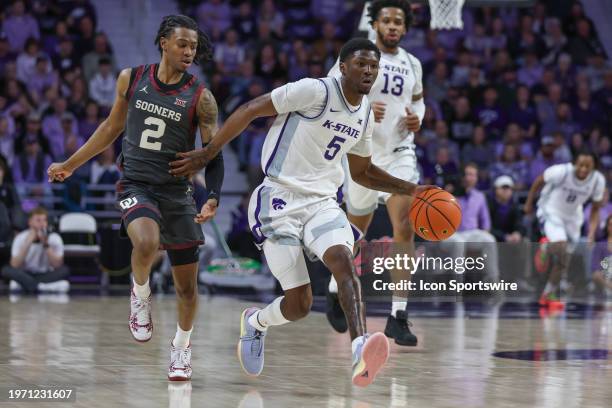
446, 14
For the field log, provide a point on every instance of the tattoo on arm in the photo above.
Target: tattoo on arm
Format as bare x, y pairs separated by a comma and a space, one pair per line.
207, 115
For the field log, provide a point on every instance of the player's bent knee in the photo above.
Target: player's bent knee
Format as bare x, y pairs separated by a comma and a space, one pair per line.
304, 304
337, 257
145, 245
339, 261
187, 293
557, 249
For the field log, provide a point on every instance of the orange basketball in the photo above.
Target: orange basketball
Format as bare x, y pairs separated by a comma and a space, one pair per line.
435, 215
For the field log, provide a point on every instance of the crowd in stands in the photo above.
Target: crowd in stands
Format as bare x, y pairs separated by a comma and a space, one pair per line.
57, 81
513, 92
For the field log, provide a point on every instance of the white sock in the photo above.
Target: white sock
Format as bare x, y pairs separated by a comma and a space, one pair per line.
549, 288
356, 342
333, 285
270, 315
142, 291
397, 305
181, 338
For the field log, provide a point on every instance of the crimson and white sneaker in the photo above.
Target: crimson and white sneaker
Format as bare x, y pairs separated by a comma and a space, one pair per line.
141, 323
180, 363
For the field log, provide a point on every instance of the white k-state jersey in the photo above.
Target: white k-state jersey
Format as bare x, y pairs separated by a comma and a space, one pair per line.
399, 78
315, 127
563, 194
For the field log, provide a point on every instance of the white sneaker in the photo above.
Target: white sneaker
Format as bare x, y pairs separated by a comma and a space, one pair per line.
14, 286
61, 286
141, 323
180, 363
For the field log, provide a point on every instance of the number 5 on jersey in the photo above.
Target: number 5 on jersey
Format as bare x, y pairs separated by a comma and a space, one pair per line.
334, 147
148, 134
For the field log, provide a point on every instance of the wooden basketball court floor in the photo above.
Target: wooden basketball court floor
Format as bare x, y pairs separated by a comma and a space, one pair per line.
487, 358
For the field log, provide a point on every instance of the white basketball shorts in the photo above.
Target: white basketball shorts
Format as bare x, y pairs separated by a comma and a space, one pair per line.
279, 217
363, 201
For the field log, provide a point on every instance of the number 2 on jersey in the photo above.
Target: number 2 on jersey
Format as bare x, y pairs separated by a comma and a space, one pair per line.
398, 85
334, 147
152, 133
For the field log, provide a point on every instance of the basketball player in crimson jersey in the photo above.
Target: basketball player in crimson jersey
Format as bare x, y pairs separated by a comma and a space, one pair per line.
160, 106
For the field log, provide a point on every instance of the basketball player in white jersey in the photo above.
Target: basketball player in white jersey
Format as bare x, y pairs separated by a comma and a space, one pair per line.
397, 102
295, 208
566, 187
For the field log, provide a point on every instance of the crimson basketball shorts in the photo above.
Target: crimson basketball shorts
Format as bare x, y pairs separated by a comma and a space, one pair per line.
171, 205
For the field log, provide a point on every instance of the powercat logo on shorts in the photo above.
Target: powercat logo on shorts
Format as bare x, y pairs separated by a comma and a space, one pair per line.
128, 203
278, 204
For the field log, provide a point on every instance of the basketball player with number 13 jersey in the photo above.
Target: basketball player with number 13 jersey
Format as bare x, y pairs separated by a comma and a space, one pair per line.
397, 101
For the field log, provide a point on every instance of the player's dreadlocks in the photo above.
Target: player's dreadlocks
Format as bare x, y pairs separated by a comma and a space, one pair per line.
169, 23
378, 5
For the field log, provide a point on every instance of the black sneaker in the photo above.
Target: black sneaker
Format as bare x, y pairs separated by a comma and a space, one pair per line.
398, 328
334, 312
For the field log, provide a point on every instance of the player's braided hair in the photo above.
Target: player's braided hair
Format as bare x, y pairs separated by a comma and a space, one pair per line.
169, 23
378, 5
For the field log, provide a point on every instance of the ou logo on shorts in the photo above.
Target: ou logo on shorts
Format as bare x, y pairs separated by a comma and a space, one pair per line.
128, 203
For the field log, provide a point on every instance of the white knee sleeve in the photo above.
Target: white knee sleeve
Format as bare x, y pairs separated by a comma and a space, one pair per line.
287, 264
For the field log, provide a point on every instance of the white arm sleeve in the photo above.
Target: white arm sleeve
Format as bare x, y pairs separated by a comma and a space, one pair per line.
418, 106
418, 73
363, 147
306, 96
600, 187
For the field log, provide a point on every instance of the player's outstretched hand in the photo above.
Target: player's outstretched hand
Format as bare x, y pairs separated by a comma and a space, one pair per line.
58, 172
379, 111
209, 209
189, 163
420, 189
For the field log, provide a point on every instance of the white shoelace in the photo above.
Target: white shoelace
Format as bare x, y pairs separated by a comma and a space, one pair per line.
142, 314
183, 360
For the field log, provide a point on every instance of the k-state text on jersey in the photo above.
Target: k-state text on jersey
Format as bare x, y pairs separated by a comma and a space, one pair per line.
341, 127
396, 69
158, 110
